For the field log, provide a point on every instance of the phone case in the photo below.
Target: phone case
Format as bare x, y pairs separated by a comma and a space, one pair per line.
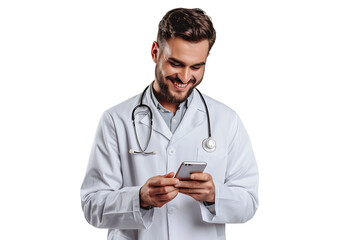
186, 168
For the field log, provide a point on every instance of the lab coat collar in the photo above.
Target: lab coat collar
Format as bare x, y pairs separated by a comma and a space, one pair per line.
194, 116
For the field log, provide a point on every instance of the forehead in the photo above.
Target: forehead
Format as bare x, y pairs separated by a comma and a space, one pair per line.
185, 51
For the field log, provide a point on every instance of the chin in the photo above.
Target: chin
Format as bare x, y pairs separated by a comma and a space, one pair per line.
176, 99
179, 98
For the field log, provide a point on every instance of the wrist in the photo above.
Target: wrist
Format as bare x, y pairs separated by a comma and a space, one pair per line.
142, 203
211, 200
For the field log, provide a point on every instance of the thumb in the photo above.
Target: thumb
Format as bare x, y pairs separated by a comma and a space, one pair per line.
169, 175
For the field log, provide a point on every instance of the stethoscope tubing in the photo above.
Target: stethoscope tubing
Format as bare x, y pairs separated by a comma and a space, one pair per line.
208, 144
207, 112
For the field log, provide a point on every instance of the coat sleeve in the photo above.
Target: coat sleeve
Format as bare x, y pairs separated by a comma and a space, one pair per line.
105, 202
236, 199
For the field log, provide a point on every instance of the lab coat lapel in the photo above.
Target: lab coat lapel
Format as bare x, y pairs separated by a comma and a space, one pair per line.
159, 124
195, 115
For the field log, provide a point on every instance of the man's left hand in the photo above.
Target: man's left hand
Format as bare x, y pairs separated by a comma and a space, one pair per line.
200, 187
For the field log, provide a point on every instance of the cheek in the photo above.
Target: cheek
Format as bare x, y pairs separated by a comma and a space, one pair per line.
160, 69
199, 74
168, 70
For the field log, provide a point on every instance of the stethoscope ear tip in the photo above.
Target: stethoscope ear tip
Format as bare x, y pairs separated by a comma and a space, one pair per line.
131, 151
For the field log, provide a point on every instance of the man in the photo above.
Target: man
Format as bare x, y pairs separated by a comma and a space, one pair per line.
134, 193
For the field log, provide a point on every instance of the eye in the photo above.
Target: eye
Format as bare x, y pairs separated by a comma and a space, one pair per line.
175, 64
195, 68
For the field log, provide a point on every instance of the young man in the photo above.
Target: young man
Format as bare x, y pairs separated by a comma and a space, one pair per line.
134, 193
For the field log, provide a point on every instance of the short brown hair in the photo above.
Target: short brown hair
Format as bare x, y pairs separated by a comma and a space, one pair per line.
192, 25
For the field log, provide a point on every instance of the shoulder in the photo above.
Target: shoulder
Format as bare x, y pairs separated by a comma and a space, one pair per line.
227, 120
222, 115
120, 112
124, 108
219, 108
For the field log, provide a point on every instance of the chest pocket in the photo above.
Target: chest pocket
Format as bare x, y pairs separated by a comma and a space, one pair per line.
216, 163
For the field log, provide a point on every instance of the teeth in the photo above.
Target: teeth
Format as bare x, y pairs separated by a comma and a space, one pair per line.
180, 85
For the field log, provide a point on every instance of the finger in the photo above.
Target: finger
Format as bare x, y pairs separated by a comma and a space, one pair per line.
193, 191
166, 197
189, 184
169, 175
200, 176
162, 181
177, 184
162, 190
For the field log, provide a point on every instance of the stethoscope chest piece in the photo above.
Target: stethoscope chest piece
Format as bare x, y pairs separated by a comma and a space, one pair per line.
209, 144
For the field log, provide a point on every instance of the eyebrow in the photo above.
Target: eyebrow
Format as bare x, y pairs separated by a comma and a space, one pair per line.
182, 63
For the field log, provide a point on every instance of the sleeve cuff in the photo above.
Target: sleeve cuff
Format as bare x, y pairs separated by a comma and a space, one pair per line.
210, 207
146, 216
209, 211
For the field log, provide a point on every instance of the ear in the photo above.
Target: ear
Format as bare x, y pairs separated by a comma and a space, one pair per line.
155, 51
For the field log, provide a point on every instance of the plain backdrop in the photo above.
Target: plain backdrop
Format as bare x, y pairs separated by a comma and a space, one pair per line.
290, 69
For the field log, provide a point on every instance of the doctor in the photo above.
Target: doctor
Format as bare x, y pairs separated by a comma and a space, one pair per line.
134, 193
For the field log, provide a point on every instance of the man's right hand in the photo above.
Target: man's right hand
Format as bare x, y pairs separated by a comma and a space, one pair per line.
159, 190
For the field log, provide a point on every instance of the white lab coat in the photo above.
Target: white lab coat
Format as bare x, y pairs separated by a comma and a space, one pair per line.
110, 191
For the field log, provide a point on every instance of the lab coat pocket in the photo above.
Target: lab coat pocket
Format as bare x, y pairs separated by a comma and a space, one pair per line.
216, 163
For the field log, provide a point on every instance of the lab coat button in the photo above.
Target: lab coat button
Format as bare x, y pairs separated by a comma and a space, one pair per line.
171, 151
171, 210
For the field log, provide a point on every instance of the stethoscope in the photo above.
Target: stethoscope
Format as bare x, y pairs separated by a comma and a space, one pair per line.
208, 144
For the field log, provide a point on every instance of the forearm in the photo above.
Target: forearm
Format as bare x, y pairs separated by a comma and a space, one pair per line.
236, 195
233, 204
118, 209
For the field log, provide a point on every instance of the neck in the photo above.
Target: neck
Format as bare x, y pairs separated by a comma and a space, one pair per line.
163, 101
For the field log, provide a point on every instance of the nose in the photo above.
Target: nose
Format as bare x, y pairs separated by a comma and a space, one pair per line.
185, 75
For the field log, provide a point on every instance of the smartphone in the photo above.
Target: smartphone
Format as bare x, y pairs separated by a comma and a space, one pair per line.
188, 167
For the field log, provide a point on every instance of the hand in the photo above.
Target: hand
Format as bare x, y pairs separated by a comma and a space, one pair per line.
158, 190
201, 187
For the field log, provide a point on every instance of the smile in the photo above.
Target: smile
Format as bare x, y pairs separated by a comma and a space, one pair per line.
180, 85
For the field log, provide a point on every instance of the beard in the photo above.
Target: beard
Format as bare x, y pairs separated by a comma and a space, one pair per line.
164, 88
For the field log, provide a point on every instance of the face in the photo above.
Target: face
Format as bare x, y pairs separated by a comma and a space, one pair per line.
180, 67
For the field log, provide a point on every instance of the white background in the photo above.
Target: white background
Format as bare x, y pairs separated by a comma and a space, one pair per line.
289, 68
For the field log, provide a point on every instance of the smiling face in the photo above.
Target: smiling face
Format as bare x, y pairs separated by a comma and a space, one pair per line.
180, 67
